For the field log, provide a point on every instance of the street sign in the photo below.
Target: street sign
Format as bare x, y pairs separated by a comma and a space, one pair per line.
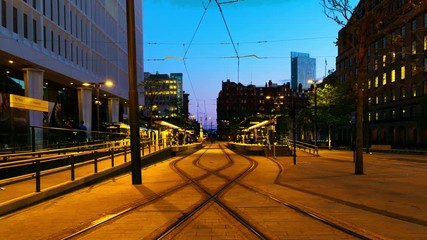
28, 103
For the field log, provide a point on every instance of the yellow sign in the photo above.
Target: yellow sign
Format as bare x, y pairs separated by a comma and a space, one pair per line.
28, 103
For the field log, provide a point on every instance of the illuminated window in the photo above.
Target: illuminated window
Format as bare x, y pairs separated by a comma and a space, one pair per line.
414, 47
425, 42
393, 57
384, 79
376, 116
393, 75
369, 84
414, 90
376, 81
369, 117
376, 64
377, 100
402, 73
384, 60
393, 114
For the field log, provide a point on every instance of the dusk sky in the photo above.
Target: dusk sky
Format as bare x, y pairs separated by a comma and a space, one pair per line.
264, 33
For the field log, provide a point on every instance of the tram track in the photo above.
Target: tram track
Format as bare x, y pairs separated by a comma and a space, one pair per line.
230, 170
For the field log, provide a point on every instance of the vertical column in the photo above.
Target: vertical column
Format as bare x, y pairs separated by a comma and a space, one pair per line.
85, 107
113, 110
33, 81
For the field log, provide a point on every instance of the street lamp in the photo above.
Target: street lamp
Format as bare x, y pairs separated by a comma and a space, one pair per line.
276, 101
97, 86
314, 82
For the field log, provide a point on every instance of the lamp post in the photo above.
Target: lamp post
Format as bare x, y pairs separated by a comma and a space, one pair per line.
97, 86
276, 101
314, 82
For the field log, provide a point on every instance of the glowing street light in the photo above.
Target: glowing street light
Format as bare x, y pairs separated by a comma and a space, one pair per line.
97, 86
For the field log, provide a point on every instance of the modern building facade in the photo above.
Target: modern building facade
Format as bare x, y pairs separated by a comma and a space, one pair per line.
395, 68
303, 68
51, 47
164, 95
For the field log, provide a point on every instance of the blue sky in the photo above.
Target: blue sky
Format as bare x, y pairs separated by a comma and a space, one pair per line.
268, 29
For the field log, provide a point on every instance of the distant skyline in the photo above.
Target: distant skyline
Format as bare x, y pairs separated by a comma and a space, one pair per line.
264, 33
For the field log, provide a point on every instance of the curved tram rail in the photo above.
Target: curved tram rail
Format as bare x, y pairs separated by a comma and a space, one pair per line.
215, 175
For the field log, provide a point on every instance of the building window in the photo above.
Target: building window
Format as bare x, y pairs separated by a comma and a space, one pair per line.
377, 100
376, 64
384, 60
403, 52
414, 47
35, 4
384, 79
403, 92
393, 94
59, 45
402, 31
425, 64
425, 43
3, 13
414, 25
414, 90
44, 37
393, 75
402, 73
15, 20
393, 57
369, 84
51, 41
414, 69
25, 22
403, 113
393, 114
376, 116
34, 30
376, 81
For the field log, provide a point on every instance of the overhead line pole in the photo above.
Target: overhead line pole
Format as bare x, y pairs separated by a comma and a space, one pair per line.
133, 95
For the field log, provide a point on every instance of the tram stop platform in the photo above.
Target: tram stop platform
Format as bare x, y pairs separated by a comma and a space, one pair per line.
388, 201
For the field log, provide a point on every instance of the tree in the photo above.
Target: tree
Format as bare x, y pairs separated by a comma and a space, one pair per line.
333, 106
344, 15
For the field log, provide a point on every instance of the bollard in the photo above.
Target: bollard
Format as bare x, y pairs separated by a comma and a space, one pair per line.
112, 157
125, 154
37, 169
72, 167
95, 161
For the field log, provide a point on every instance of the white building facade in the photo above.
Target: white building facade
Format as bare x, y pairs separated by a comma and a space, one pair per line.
65, 43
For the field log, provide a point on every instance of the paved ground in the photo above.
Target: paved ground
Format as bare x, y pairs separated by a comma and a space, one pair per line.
389, 200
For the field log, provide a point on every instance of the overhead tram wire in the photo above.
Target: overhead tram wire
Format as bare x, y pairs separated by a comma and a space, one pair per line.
189, 45
229, 35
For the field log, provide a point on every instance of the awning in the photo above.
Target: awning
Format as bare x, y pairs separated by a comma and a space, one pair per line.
260, 124
166, 124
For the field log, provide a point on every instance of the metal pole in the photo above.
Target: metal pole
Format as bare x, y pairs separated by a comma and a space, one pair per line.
133, 94
315, 114
295, 128
98, 102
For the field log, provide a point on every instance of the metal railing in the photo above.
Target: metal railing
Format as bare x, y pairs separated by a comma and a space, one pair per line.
310, 148
39, 163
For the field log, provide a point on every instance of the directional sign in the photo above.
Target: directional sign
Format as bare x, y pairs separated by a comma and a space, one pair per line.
28, 103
